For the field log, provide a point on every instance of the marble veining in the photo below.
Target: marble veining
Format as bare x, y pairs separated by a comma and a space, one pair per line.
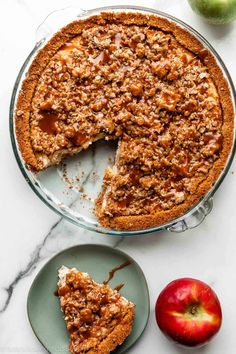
35, 258
37, 254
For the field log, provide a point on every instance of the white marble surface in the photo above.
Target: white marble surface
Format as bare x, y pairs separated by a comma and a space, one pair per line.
31, 233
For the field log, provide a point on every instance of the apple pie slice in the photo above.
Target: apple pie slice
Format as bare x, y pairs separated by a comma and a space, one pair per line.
98, 318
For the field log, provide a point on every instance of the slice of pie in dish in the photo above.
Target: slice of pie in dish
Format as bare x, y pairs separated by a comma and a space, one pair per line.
98, 318
146, 82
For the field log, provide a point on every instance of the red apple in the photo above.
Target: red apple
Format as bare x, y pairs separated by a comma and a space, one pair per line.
188, 311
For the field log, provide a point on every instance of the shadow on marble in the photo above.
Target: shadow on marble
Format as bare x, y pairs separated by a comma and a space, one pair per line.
160, 239
217, 32
182, 350
172, 347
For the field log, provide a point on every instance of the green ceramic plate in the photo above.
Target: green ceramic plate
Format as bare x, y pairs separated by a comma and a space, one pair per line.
43, 306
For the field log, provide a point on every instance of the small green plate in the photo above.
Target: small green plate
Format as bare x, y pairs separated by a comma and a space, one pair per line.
43, 306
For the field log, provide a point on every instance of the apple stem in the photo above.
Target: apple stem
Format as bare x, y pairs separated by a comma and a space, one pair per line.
193, 310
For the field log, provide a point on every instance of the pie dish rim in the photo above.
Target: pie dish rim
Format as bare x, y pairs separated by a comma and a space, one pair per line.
207, 191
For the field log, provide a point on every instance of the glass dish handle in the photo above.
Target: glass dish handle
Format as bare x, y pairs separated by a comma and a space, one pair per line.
56, 20
193, 220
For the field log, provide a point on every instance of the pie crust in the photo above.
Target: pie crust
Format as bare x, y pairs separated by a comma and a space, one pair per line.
168, 157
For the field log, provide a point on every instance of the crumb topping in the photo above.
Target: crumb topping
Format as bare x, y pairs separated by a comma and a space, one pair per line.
139, 85
92, 311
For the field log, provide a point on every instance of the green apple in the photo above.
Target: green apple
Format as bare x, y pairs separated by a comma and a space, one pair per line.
215, 11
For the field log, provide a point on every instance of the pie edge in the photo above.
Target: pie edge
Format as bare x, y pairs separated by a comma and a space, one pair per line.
188, 41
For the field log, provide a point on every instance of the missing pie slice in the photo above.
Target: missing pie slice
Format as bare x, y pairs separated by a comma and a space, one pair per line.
98, 318
149, 84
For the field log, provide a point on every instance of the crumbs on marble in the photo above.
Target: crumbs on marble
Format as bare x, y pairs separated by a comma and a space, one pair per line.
71, 182
76, 183
111, 159
85, 196
93, 177
65, 175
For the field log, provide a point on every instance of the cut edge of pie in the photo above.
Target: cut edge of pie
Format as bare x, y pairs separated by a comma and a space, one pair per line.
84, 338
188, 41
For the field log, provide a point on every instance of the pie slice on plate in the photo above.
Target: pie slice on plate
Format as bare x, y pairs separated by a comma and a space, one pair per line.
98, 318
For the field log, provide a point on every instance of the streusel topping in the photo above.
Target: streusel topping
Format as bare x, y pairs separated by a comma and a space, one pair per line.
146, 82
92, 313
136, 84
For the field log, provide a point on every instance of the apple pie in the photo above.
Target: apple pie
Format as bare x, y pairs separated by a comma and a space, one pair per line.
98, 318
145, 82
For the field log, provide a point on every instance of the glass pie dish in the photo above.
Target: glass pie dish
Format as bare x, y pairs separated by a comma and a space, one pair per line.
71, 188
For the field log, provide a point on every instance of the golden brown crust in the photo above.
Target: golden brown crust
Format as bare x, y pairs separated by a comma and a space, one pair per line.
117, 337
188, 41
141, 222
